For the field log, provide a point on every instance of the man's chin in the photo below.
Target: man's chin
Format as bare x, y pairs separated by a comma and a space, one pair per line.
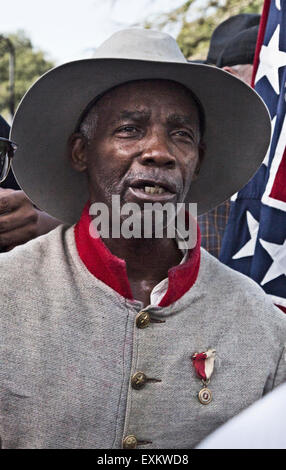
146, 218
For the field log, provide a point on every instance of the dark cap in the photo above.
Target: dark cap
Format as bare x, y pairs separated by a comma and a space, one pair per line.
240, 50
10, 181
4, 128
234, 40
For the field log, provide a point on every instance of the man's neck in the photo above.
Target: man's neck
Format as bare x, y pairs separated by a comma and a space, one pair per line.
147, 262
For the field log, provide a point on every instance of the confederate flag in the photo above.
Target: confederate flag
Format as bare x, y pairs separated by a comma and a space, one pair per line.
255, 238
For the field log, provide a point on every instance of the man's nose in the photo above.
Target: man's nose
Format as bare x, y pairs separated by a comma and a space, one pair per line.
157, 152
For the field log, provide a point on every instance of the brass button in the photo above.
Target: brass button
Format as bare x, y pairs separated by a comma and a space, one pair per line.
130, 442
138, 380
142, 319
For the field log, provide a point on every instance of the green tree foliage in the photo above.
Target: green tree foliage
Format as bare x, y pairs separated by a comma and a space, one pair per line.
198, 19
30, 64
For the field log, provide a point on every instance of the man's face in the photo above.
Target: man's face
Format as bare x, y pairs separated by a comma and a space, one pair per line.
145, 147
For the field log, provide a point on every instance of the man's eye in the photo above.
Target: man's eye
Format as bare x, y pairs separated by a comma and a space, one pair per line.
185, 134
128, 129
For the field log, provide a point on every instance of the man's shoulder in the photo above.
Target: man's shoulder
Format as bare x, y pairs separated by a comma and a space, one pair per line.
30, 256
239, 293
222, 274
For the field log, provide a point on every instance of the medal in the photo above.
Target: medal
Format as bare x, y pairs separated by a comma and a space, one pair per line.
204, 365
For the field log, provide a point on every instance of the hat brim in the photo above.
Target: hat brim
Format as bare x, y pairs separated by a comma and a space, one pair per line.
237, 131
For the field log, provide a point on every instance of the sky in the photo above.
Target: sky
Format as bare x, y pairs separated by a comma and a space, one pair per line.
70, 29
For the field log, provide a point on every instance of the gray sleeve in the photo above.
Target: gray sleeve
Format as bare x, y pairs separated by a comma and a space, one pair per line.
280, 374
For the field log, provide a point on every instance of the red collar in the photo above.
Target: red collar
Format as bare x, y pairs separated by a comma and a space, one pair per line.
112, 270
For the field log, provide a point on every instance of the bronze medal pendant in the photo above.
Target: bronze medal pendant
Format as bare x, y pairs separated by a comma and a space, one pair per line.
205, 395
204, 365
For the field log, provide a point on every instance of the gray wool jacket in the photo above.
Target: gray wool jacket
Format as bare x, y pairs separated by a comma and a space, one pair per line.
70, 346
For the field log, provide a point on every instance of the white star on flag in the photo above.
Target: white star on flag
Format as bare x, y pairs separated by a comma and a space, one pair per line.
278, 254
271, 59
249, 248
278, 4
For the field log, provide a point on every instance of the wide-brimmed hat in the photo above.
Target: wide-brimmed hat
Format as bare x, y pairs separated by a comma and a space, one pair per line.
237, 127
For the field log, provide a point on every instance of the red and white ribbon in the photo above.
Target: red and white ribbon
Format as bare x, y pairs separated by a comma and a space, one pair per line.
204, 363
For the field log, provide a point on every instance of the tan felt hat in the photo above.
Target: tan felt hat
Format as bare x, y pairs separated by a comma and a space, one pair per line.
237, 128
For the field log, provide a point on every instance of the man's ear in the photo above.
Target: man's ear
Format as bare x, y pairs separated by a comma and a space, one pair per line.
77, 152
202, 149
231, 70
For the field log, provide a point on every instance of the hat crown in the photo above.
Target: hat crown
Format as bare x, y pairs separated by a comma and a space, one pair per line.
141, 44
227, 31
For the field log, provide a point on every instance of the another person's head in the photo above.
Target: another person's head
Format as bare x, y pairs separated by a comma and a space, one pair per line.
7, 149
233, 43
4, 128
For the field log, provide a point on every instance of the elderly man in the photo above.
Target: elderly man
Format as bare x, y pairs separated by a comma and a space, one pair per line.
123, 341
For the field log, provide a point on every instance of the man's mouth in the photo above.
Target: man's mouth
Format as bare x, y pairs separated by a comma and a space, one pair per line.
152, 190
